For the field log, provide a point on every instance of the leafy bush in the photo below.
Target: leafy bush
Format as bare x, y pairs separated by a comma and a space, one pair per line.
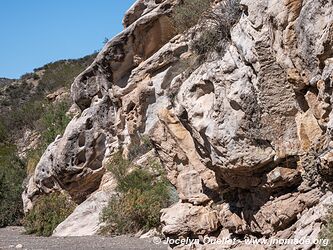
35, 76
138, 179
136, 210
48, 212
12, 174
141, 198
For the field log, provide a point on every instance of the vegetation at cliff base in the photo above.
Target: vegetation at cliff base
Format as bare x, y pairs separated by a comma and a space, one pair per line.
12, 174
48, 212
142, 193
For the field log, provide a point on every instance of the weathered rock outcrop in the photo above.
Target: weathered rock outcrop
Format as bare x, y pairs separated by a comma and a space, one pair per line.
85, 218
245, 137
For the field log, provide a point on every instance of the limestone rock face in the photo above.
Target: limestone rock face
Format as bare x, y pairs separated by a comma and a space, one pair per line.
74, 161
85, 218
245, 136
184, 218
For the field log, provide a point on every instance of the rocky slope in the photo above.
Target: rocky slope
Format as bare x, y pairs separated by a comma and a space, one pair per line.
246, 137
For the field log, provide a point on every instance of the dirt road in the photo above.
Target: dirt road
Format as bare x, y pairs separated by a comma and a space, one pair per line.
14, 238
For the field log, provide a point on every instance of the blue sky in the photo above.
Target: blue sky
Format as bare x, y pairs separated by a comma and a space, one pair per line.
36, 32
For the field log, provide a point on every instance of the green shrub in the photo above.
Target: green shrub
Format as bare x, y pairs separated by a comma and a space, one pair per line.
136, 210
138, 179
141, 197
188, 14
12, 174
48, 212
35, 76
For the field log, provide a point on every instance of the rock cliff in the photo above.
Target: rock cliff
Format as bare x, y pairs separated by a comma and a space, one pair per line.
245, 136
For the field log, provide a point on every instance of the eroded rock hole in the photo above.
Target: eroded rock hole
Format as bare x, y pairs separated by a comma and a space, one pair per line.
82, 139
80, 158
89, 124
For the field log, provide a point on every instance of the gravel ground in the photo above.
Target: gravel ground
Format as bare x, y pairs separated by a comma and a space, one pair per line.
14, 238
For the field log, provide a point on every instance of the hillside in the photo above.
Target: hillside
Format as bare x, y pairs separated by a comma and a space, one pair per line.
4, 81
32, 112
